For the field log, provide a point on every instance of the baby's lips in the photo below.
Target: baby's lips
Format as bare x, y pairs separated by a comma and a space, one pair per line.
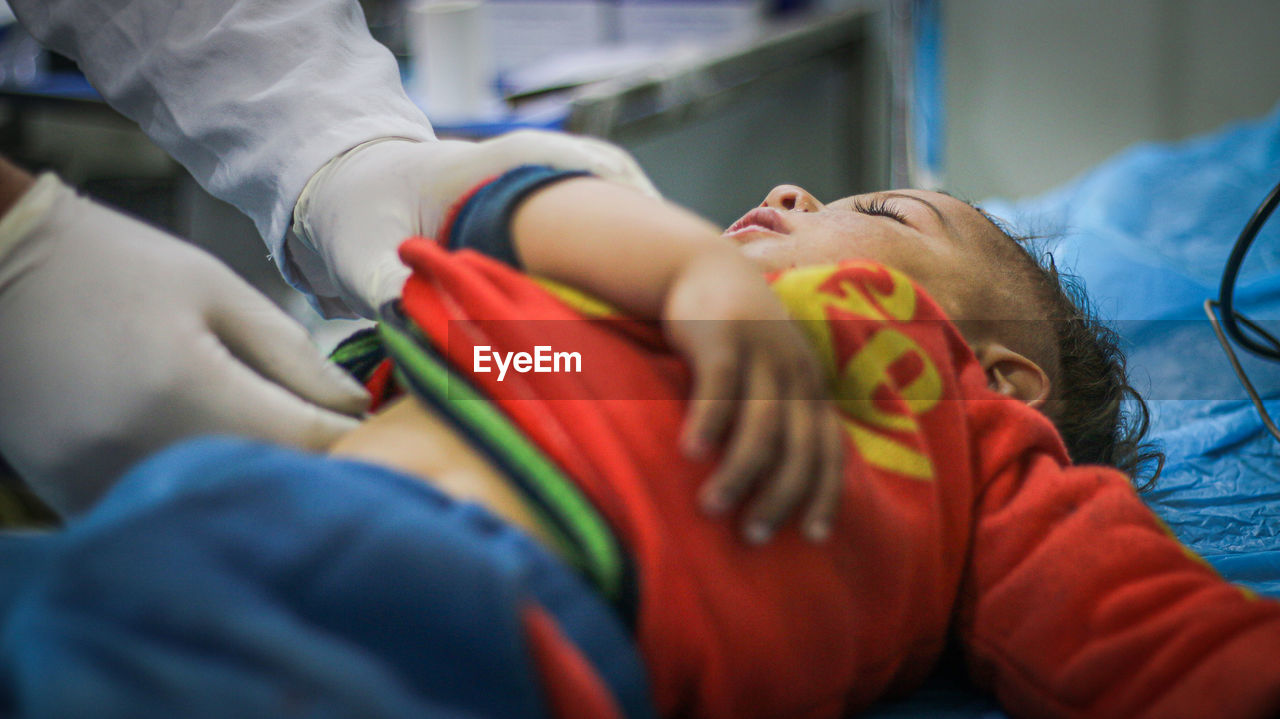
760, 218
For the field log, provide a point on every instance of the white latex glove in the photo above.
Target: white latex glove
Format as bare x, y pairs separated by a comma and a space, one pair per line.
119, 339
357, 209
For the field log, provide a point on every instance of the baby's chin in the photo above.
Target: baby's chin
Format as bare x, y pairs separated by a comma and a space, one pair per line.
771, 255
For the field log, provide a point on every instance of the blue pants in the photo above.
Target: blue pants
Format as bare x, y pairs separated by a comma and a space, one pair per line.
233, 579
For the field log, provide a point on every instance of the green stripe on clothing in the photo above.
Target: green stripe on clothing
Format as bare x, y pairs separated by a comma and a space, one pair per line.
592, 548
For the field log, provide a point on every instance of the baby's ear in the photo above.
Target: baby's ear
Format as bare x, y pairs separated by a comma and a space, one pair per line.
1013, 375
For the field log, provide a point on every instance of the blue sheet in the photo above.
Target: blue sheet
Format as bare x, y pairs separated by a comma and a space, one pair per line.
225, 578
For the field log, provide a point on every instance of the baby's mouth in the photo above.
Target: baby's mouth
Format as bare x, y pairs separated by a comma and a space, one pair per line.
761, 219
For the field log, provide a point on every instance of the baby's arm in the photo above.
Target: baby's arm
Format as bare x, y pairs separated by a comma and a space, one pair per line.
1078, 602
657, 261
615, 243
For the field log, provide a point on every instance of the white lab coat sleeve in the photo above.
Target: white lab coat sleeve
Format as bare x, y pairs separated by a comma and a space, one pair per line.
251, 96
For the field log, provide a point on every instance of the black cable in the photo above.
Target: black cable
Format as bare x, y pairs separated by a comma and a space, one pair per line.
1226, 292
1254, 397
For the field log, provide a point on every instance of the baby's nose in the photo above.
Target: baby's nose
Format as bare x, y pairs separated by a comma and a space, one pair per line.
791, 197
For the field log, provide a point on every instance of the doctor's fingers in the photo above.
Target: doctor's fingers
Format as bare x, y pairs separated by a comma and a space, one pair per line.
225, 395
567, 152
261, 337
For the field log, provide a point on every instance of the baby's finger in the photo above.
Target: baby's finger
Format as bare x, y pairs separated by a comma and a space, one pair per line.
821, 514
710, 407
789, 484
750, 448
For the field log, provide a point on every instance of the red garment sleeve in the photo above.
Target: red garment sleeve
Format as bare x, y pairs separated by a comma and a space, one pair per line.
1078, 601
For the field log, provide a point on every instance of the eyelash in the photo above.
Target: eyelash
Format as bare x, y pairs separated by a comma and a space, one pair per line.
880, 208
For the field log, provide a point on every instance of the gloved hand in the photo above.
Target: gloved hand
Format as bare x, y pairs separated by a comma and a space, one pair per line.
357, 209
119, 339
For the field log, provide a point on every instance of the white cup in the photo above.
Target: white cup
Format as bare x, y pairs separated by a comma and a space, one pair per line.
452, 70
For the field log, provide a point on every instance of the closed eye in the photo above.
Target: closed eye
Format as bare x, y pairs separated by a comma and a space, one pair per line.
878, 207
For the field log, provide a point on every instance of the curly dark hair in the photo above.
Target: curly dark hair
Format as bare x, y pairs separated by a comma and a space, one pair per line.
1101, 417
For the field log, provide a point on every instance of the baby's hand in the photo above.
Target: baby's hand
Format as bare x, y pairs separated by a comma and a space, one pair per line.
758, 381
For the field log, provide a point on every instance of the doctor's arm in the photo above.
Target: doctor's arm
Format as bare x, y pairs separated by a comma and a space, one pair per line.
292, 112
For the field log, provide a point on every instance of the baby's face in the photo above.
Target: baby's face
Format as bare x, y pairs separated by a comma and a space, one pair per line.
942, 243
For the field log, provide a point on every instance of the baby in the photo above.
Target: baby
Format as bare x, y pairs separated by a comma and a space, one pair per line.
1028, 326
953, 510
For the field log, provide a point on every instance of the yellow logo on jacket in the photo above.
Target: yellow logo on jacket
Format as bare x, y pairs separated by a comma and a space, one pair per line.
881, 378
